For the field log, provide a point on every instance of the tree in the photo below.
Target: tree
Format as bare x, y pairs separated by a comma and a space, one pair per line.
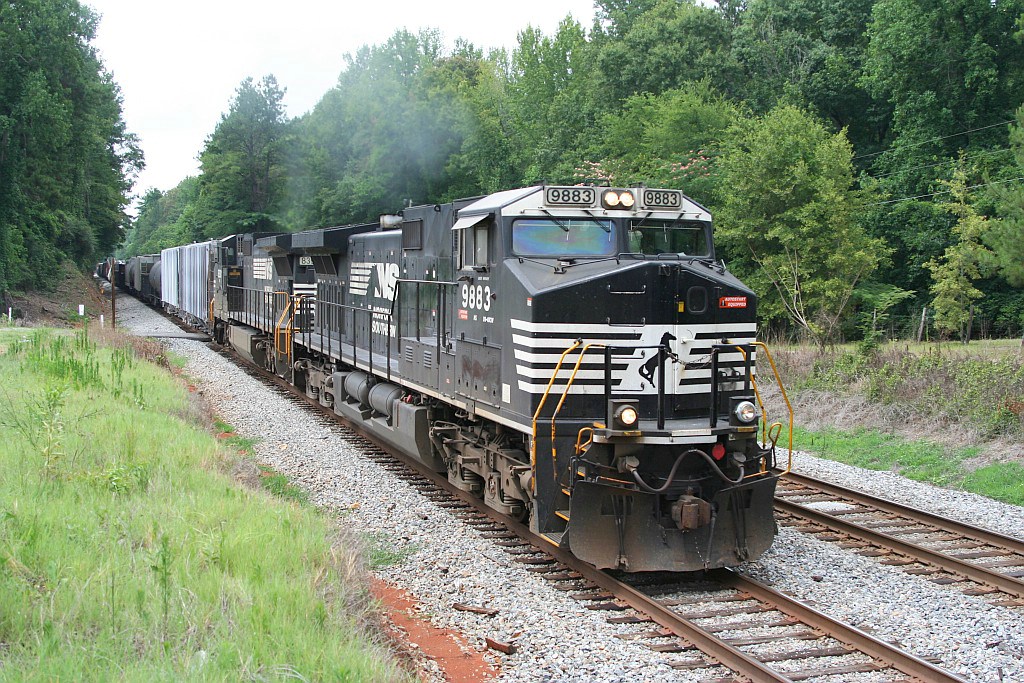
671, 43
809, 52
963, 263
667, 140
790, 219
66, 158
949, 70
388, 132
1006, 236
165, 219
616, 17
243, 162
551, 102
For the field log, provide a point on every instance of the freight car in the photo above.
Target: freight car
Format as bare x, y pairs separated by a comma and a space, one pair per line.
574, 355
139, 277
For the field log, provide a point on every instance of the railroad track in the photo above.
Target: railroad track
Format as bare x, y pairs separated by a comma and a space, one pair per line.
974, 560
725, 624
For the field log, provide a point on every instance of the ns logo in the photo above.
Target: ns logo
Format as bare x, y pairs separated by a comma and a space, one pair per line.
384, 277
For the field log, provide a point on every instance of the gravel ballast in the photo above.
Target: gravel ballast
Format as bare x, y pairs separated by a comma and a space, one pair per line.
442, 561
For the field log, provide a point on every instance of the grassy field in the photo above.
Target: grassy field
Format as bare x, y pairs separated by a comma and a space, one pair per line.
949, 414
128, 551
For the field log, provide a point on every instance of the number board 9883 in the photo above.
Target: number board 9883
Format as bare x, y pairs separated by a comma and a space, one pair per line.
662, 199
570, 196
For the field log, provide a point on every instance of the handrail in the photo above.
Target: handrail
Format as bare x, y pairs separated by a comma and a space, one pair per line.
785, 397
277, 327
565, 394
583, 446
297, 309
540, 406
764, 413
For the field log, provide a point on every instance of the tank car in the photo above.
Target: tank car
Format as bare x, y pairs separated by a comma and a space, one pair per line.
574, 355
139, 276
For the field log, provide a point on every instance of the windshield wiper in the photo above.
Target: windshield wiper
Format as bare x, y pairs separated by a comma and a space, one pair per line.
604, 226
559, 223
556, 268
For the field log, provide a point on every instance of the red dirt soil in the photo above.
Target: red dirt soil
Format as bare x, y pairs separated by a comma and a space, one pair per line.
457, 660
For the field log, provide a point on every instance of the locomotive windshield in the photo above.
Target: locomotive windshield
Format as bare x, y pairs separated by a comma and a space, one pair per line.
563, 237
669, 237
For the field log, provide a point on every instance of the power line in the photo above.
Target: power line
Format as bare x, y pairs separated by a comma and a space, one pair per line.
936, 194
940, 163
925, 142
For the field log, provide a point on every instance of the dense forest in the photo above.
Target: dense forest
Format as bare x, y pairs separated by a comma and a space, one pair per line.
66, 159
863, 158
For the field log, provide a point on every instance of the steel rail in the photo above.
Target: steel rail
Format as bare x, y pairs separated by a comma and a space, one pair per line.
898, 659
949, 563
727, 655
968, 530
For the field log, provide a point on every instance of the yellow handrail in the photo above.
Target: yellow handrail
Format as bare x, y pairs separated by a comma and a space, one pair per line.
297, 309
580, 447
558, 366
565, 394
280, 322
757, 393
536, 414
789, 406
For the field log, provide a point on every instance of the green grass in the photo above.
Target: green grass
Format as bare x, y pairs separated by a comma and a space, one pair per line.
278, 485
176, 360
381, 551
918, 460
243, 444
125, 553
979, 387
1003, 481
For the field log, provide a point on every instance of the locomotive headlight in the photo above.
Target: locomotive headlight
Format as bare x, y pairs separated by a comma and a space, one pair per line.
618, 199
627, 416
745, 412
623, 414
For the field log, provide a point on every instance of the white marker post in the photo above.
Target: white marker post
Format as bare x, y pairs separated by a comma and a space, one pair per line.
81, 310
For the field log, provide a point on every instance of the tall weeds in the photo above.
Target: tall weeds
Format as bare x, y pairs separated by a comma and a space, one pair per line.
983, 394
125, 553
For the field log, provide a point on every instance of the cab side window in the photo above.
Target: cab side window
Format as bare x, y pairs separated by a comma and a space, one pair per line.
473, 246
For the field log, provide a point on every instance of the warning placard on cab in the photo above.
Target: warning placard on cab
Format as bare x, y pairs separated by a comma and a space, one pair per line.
732, 302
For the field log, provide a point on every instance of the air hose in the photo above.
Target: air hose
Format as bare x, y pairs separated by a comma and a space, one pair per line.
675, 466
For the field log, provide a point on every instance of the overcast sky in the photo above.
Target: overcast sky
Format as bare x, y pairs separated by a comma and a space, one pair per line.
178, 63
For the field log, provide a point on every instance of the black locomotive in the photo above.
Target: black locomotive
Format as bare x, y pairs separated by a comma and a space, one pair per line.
574, 355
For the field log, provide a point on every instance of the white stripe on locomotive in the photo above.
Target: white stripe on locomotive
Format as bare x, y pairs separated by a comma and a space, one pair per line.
538, 356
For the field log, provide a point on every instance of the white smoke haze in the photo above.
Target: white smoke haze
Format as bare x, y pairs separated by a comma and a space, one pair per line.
178, 63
